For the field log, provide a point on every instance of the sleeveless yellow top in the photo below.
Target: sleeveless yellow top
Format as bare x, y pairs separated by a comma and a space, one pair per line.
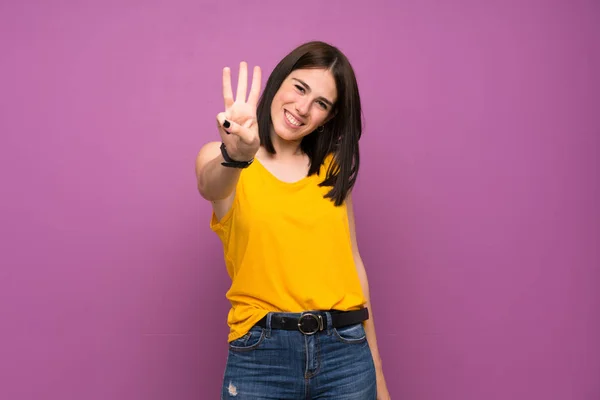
286, 248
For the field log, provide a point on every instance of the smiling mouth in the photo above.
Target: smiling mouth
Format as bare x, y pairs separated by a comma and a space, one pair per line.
291, 119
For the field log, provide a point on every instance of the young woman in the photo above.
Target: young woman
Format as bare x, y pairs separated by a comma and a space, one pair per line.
280, 184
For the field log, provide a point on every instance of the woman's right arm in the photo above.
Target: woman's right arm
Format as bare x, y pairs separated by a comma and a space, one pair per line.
238, 129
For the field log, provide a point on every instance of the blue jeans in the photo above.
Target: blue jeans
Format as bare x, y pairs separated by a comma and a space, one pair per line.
282, 364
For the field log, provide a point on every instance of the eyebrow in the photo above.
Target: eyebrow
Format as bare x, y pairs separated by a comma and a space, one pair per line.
308, 88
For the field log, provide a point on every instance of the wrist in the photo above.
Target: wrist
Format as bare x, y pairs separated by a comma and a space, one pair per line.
234, 161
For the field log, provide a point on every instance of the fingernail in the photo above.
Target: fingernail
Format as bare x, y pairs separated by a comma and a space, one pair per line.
226, 124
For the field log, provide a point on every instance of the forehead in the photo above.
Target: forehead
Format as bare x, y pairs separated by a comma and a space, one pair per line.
320, 80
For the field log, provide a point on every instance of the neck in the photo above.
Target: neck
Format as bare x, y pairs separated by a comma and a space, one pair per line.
285, 148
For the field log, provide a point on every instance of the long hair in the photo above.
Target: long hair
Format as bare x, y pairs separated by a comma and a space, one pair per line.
340, 135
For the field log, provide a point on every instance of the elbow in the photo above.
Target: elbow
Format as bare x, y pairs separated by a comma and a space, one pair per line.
202, 187
204, 192
209, 193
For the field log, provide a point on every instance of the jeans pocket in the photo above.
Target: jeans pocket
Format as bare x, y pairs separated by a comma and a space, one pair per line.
249, 341
351, 333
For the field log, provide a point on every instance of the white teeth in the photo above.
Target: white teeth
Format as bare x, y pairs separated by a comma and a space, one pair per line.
291, 119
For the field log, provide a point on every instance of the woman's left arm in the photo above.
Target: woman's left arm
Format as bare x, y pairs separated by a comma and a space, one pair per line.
382, 391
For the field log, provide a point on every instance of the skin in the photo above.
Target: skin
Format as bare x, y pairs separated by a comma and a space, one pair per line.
308, 97
382, 390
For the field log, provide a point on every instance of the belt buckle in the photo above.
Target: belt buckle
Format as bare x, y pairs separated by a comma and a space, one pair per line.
317, 318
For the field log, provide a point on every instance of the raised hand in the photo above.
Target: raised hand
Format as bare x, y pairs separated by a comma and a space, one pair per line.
238, 125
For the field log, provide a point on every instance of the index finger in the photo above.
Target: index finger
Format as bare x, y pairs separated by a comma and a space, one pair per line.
227, 92
255, 88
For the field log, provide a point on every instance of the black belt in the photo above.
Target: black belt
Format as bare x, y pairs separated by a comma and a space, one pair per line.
310, 323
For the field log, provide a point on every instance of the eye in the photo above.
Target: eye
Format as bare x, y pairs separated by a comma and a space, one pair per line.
323, 105
300, 88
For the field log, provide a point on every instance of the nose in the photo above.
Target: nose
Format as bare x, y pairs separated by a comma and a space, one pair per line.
303, 107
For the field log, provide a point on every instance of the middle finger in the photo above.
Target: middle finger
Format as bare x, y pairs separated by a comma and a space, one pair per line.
242, 82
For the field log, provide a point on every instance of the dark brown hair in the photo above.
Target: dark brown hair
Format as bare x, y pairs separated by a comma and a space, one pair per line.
340, 135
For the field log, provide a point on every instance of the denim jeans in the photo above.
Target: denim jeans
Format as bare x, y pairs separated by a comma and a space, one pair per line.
282, 364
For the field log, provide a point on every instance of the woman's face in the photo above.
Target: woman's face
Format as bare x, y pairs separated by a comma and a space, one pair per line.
303, 103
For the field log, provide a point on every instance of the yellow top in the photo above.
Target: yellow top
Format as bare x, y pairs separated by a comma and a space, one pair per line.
286, 248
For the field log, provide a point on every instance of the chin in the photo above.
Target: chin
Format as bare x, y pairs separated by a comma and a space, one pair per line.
284, 133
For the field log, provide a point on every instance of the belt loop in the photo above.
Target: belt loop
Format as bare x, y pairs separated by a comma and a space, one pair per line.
329, 322
268, 325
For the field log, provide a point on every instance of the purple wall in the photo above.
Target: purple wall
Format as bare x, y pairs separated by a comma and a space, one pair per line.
477, 204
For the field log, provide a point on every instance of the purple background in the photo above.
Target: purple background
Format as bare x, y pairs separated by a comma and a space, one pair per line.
477, 202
